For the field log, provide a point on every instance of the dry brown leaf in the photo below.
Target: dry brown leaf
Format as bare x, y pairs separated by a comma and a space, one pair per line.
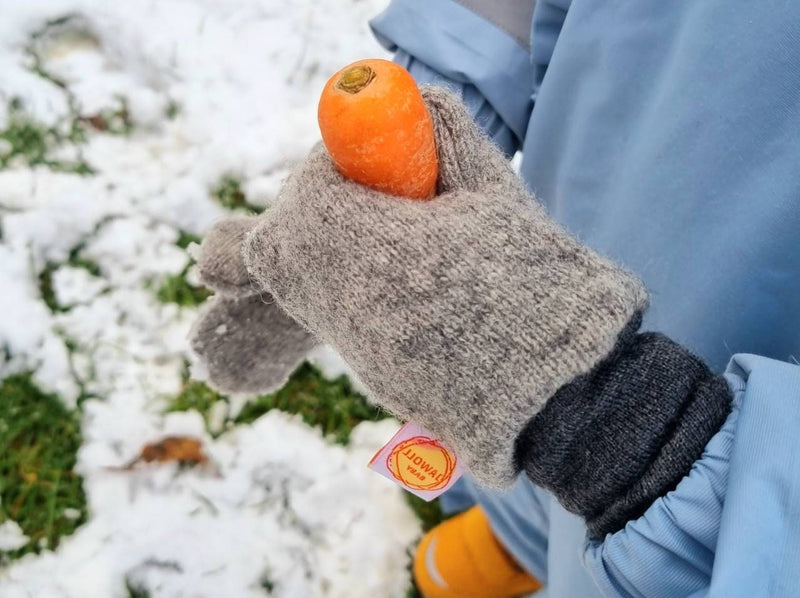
185, 450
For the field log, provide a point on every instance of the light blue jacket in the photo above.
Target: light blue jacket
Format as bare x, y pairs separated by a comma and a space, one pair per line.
666, 135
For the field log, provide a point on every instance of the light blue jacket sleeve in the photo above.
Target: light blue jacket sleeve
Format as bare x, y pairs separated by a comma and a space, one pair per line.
451, 43
732, 526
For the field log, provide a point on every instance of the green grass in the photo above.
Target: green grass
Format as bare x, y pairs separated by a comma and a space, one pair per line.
26, 138
331, 405
172, 110
39, 440
185, 239
267, 584
228, 193
46, 290
413, 591
177, 289
133, 590
32, 143
429, 513
199, 397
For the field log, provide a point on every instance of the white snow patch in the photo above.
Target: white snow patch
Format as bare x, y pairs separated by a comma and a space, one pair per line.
211, 88
332, 366
279, 503
11, 536
76, 285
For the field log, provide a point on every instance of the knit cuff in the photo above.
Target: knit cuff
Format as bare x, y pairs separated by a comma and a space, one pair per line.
613, 440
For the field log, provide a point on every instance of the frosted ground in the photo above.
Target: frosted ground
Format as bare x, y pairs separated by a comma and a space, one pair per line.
141, 124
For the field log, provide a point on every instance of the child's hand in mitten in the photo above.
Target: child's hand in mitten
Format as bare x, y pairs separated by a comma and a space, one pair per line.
476, 316
464, 313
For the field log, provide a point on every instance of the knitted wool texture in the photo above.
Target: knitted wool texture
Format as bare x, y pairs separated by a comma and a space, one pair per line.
220, 262
464, 313
246, 342
613, 440
249, 344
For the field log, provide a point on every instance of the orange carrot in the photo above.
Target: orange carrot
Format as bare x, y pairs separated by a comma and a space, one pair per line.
377, 129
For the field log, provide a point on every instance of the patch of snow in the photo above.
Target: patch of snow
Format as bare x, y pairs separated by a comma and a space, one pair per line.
263, 510
76, 285
11, 536
332, 366
211, 88
72, 513
262, 190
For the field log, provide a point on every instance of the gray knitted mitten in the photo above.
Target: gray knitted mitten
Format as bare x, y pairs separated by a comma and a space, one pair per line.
247, 343
464, 313
475, 316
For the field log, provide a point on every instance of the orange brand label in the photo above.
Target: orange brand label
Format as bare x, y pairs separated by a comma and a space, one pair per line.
421, 463
418, 462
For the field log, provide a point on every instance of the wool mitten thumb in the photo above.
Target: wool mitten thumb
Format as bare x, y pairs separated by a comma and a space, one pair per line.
219, 260
245, 341
476, 316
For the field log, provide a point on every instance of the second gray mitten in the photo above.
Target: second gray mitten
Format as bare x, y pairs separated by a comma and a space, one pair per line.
248, 345
245, 341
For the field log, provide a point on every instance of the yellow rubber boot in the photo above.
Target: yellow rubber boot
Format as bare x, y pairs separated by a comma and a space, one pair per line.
461, 558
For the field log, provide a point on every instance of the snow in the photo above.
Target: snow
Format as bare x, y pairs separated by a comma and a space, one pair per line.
211, 88
11, 536
279, 502
76, 285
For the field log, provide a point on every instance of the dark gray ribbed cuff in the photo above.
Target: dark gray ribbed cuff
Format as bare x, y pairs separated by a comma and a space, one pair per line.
613, 440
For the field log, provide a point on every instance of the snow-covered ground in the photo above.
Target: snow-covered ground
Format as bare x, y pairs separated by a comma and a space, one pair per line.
208, 88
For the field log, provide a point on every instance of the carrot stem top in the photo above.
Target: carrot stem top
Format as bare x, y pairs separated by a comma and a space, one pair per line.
355, 78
